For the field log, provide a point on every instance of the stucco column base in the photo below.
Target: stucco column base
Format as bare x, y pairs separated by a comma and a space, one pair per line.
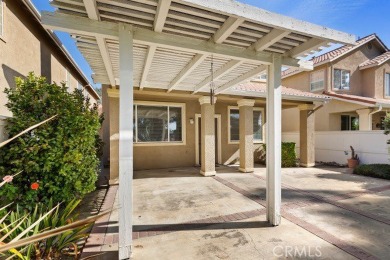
207, 174
207, 137
307, 135
246, 135
246, 170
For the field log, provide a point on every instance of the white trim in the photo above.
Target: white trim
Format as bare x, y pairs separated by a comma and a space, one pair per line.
386, 83
161, 104
262, 125
219, 136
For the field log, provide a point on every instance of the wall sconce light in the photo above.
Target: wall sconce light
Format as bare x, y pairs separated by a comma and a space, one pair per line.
192, 121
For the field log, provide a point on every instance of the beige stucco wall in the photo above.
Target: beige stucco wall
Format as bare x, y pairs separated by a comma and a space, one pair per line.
327, 118
25, 47
163, 156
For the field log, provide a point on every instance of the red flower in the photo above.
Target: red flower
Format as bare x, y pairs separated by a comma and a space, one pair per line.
35, 186
8, 178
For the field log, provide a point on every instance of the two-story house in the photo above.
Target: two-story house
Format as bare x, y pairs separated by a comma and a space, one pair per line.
357, 78
26, 46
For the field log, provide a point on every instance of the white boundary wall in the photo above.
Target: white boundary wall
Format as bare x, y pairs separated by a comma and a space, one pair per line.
371, 146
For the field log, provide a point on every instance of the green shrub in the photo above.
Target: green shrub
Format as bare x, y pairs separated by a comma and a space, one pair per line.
288, 155
60, 157
374, 170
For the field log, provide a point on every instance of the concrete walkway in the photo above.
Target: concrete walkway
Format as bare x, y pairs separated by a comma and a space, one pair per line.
178, 214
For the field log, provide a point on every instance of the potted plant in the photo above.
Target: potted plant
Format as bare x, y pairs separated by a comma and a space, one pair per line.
354, 160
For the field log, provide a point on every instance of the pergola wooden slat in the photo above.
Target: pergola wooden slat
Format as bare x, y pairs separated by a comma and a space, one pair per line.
168, 44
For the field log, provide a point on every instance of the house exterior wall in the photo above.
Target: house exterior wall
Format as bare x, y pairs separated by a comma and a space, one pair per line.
26, 47
163, 155
367, 83
327, 118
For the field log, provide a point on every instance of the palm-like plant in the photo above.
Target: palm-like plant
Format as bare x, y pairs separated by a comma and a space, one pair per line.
44, 233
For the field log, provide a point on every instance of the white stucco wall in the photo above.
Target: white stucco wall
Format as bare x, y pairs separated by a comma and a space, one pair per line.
371, 146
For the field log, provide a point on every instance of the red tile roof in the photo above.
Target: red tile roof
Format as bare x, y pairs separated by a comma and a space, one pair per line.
377, 61
261, 87
335, 54
367, 100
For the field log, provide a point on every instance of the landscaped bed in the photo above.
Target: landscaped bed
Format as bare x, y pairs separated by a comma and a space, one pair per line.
374, 170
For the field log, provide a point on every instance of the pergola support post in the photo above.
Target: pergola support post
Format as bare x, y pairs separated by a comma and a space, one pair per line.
125, 141
274, 139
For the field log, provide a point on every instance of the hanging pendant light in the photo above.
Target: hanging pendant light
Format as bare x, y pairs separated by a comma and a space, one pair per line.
212, 86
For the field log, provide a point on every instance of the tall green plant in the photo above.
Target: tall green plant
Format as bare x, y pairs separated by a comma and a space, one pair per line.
59, 159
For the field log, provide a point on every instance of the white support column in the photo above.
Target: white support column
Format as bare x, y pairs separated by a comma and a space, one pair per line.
274, 139
125, 141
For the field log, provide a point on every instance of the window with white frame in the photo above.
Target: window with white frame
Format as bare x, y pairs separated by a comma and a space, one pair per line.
341, 79
67, 78
317, 79
387, 84
155, 123
234, 127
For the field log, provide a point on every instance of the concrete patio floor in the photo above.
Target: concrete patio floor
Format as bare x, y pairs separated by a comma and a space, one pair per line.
178, 214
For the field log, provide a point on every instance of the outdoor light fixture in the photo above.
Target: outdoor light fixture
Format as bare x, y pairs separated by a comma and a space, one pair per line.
192, 121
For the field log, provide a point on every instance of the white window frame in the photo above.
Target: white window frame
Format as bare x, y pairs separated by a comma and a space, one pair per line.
161, 104
387, 84
67, 78
312, 82
2, 19
341, 77
262, 124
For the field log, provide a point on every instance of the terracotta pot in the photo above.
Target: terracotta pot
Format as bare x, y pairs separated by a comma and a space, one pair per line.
352, 163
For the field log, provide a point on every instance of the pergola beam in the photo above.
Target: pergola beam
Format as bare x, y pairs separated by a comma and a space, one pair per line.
93, 13
218, 74
147, 65
84, 26
161, 15
272, 37
241, 79
220, 36
229, 26
198, 59
306, 47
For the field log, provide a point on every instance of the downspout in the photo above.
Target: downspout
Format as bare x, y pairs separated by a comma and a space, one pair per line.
373, 112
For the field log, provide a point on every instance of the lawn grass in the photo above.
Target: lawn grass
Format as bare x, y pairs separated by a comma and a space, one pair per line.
374, 170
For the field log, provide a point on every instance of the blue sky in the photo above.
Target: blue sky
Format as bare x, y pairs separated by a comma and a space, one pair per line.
359, 17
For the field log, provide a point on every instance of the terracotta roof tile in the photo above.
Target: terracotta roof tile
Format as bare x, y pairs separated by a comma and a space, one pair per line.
262, 88
379, 60
368, 100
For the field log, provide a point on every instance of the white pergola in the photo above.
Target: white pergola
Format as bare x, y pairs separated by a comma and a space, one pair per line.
169, 44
